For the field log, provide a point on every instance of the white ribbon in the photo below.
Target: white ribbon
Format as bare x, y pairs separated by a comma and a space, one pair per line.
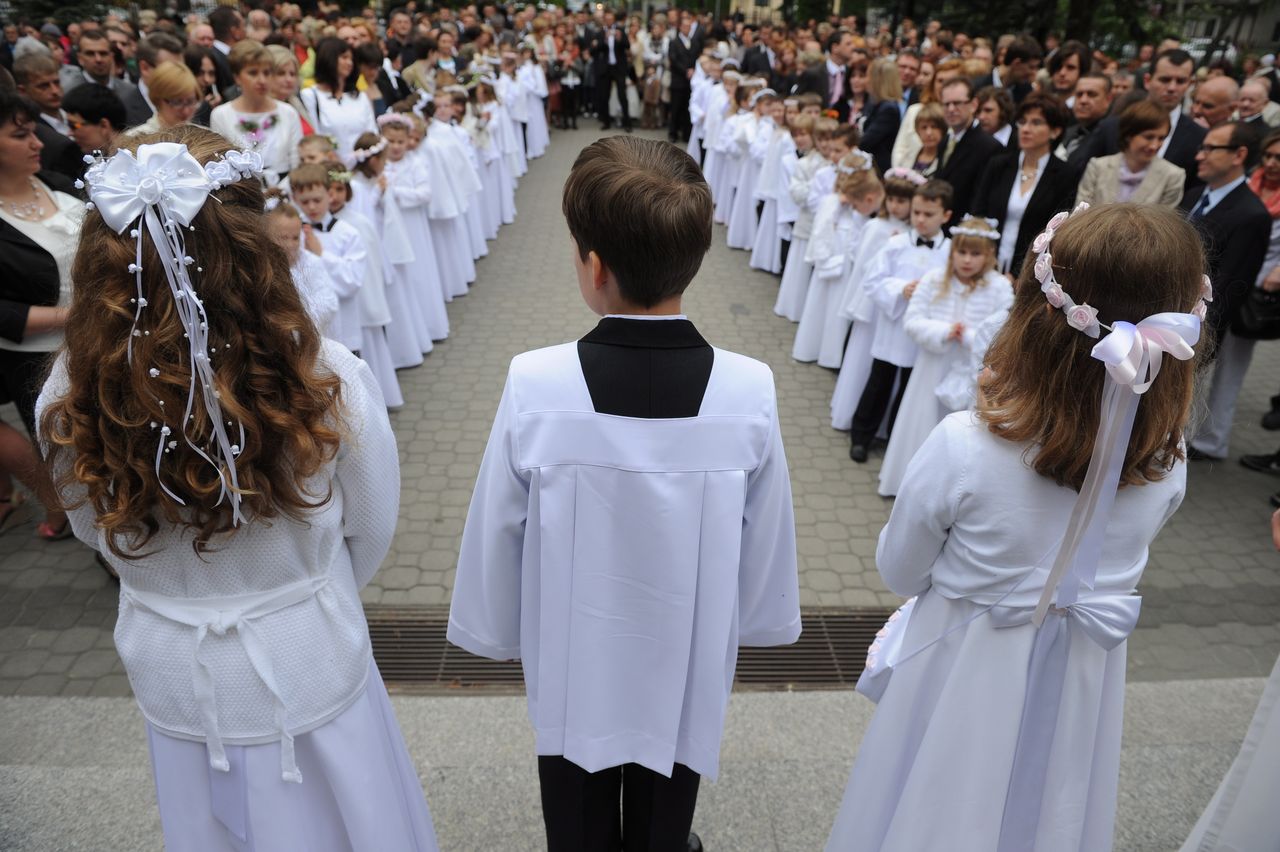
1132, 355
1107, 620
164, 186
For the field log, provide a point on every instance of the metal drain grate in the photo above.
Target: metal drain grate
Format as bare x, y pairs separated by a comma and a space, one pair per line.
412, 653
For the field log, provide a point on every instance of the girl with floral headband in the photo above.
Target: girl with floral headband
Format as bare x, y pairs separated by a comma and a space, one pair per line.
943, 318
240, 474
1022, 529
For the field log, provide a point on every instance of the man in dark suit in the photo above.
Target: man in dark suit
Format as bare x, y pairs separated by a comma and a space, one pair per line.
228, 28
830, 80
609, 49
1018, 70
1092, 102
966, 149
154, 49
908, 63
1166, 84
681, 62
1236, 228
758, 60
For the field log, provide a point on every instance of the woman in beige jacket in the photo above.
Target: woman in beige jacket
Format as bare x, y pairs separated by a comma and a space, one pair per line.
1138, 173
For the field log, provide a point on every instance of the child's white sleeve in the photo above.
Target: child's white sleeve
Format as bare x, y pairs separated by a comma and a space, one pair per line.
484, 615
884, 288
346, 264
928, 332
799, 184
368, 474
922, 515
768, 582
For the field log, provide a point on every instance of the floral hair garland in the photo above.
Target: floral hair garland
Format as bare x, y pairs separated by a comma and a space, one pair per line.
861, 163
911, 176
992, 234
398, 118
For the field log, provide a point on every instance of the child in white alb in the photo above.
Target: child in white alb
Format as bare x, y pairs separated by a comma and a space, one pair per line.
735, 136
753, 137
766, 248
942, 319
338, 245
796, 271
284, 226
892, 281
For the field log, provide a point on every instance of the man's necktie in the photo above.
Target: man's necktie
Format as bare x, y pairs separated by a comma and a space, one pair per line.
1201, 208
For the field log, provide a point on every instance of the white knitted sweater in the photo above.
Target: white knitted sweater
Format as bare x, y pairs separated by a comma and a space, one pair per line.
304, 652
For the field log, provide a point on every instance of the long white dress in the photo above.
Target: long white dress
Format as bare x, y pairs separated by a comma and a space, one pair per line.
409, 183
453, 184
475, 218
836, 229
534, 82
971, 523
742, 215
928, 320
766, 248
375, 313
717, 113
859, 309
731, 144
259, 643
796, 272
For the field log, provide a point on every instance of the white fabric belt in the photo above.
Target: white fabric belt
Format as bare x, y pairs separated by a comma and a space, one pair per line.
221, 616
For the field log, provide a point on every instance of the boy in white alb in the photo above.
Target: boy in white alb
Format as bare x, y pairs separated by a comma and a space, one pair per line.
338, 245
891, 282
632, 522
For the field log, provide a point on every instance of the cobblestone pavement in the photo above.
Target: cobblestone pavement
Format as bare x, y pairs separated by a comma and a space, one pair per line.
1211, 593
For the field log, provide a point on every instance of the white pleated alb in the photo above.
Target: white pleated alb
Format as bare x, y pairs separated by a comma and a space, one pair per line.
625, 560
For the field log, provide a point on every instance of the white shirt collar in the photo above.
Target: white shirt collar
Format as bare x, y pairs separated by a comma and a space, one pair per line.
1002, 135
145, 91
646, 316
1174, 115
832, 68
58, 122
1040, 163
222, 47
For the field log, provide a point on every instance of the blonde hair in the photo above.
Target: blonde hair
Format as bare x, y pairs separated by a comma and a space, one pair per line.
883, 81
969, 242
171, 81
858, 182
1129, 261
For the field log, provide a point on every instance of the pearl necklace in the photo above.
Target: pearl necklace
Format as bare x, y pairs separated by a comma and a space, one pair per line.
27, 210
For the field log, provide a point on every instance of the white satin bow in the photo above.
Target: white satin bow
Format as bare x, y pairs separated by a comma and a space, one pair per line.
163, 174
1132, 354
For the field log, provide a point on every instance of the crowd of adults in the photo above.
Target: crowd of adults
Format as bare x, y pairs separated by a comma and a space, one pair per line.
993, 115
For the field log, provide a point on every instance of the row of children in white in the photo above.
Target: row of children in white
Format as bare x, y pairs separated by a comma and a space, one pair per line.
379, 251
872, 280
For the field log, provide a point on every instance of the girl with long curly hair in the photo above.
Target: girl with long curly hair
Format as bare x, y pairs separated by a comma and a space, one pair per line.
240, 565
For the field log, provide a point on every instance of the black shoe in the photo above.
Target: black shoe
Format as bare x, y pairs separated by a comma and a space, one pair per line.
1275, 499
1271, 420
1262, 463
695, 843
1197, 455
858, 452
626, 128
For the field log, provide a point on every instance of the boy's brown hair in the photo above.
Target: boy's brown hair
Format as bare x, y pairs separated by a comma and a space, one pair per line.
847, 133
934, 190
307, 176
644, 208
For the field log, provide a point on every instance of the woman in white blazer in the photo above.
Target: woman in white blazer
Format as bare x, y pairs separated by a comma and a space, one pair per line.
1138, 173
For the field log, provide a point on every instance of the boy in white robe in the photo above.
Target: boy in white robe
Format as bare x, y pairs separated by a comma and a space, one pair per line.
891, 283
338, 245
284, 225
632, 520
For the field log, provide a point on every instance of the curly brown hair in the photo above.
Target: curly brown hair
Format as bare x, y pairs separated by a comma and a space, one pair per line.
100, 435
1129, 261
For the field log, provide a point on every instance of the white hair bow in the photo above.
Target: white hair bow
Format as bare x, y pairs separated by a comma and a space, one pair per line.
162, 188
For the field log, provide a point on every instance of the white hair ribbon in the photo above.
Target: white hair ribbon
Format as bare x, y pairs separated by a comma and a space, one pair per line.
164, 186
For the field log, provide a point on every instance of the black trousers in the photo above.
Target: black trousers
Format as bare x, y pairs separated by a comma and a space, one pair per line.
569, 106
610, 76
680, 126
876, 398
786, 249
581, 809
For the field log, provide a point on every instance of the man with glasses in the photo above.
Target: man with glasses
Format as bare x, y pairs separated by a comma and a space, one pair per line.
97, 65
967, 147
1166, 84
1236, 228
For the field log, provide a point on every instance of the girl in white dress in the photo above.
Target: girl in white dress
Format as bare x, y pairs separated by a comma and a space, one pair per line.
451, 107
493, 119
837, 231
756, 129
856, 304
796, 271
721, 104
732, 143
241, 549
408, 336
534, 82
943, 318
410, 185
1001, 687
255, 121
339, 110
766, 248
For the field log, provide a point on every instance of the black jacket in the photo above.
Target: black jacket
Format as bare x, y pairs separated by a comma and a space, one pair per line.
681, 60
136, 108
879, 131
60, 154
1235, 233
393, 91
28, 274
1183, 145
815, 80
755, 62
1055, 192
600, 52
964, 168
